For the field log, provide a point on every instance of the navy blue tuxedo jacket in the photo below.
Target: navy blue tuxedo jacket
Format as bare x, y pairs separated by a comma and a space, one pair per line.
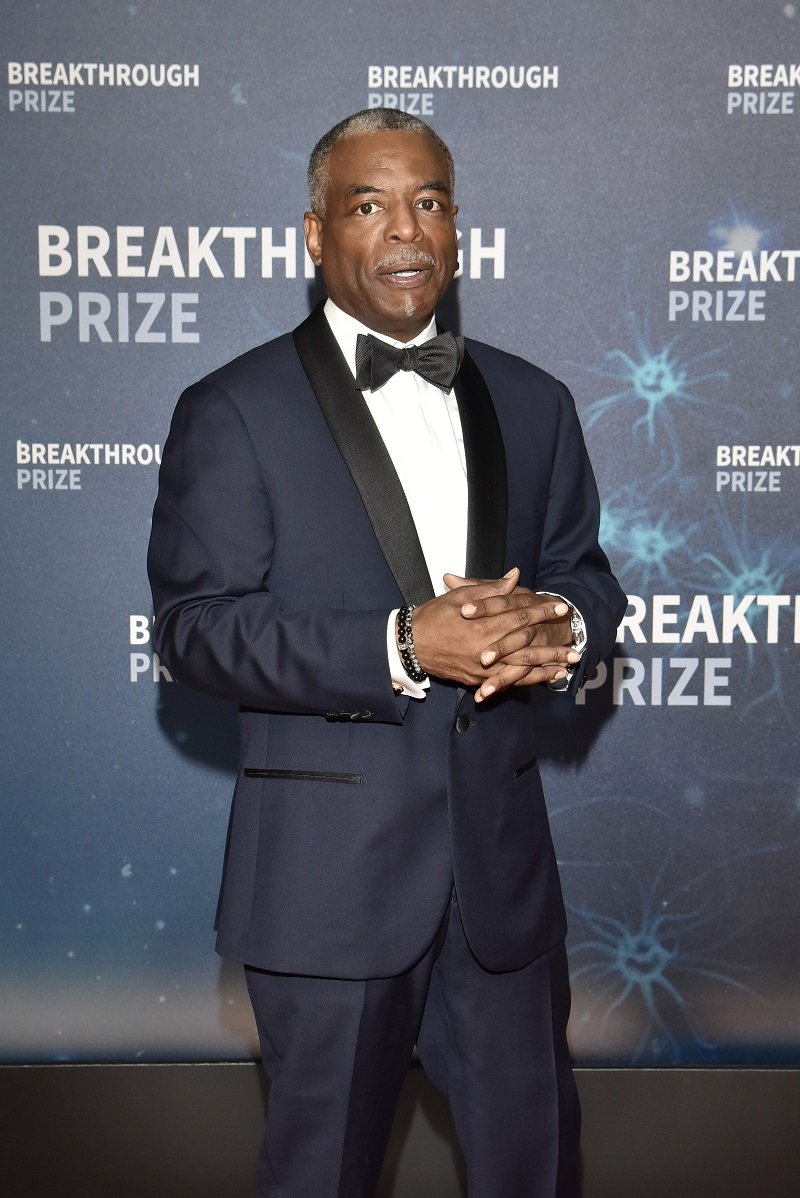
281, 540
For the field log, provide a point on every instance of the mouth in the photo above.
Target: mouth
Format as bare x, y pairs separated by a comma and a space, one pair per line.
407, 274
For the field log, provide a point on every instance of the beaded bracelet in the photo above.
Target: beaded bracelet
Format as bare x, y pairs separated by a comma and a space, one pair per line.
405, 644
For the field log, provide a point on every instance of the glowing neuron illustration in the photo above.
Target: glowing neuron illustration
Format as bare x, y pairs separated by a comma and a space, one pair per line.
746, 565
741, 235
648, 960
654, 383
643, 541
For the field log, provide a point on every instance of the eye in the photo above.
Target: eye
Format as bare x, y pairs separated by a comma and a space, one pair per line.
429, 205
367, 208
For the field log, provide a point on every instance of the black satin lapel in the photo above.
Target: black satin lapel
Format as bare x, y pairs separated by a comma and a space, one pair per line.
365, 454
486, 474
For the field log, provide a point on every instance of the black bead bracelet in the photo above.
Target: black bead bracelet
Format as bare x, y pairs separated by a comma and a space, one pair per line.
405, 644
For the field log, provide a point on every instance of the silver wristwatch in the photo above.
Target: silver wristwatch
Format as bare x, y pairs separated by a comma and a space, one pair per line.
578, 632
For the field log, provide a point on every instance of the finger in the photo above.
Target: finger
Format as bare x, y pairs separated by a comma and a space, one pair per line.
478, 588
454, 581
524, 649
499, 681
457, 580
518, 676
521, 597
534, 657
514, 630
476, 605
530, 607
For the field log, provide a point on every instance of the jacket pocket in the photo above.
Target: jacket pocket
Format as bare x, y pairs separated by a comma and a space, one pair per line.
304, 776
521, 769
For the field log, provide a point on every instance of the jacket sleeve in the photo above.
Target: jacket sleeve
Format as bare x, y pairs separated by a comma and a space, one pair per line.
571, 562
218, 627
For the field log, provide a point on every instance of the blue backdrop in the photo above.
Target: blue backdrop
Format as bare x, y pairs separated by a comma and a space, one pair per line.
628, 188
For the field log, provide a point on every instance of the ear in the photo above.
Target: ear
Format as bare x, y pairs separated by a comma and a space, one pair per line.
312, 228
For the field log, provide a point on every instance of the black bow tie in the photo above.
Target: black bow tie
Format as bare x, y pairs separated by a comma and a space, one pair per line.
437, 361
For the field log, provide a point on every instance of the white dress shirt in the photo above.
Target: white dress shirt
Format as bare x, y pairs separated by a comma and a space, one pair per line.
421, 429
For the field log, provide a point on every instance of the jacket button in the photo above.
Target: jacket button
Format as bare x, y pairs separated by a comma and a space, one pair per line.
462, 723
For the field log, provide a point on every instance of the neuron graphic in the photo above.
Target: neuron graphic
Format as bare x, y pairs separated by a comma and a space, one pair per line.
645, 544
750, 566
740, 235
659, 381
648, 960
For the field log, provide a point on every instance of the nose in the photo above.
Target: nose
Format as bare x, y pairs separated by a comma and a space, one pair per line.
403, 224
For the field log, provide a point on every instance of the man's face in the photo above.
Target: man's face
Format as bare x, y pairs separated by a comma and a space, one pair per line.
387, 242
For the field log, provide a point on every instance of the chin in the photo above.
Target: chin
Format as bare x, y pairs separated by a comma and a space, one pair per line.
411, 307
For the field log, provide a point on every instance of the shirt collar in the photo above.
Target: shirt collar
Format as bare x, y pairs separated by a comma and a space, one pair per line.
346, 328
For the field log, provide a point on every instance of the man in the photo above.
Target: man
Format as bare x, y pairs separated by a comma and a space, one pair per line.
389, 877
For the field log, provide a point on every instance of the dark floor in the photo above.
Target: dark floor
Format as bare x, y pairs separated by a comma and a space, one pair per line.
190, 1131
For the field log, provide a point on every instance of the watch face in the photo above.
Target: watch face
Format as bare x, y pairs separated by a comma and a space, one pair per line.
578, 631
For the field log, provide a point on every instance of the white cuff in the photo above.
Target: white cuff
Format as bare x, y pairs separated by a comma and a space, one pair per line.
400, 678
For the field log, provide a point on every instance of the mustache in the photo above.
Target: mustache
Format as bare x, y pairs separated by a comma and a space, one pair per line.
403, 256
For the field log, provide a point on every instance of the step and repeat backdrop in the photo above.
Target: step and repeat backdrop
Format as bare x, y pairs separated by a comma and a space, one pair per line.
627, 176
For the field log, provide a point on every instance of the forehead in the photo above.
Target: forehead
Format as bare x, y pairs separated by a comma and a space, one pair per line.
392, 156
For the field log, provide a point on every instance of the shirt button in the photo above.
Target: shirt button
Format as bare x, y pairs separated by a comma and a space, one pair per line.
462, 723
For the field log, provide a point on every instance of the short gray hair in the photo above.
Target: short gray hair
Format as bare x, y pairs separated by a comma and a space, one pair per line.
368, 120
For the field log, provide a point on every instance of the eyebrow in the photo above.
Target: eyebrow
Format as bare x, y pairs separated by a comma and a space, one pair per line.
361, 189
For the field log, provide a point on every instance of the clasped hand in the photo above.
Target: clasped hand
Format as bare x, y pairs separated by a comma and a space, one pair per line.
493, 634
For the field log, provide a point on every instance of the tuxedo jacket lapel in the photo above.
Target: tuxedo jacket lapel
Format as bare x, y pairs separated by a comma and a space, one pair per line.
487, 481
373, 472
365, 454
486, 474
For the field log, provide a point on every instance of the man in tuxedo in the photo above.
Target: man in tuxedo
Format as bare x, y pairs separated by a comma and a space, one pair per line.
379, 542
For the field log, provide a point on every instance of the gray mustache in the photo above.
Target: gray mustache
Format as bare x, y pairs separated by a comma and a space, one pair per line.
408, 254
